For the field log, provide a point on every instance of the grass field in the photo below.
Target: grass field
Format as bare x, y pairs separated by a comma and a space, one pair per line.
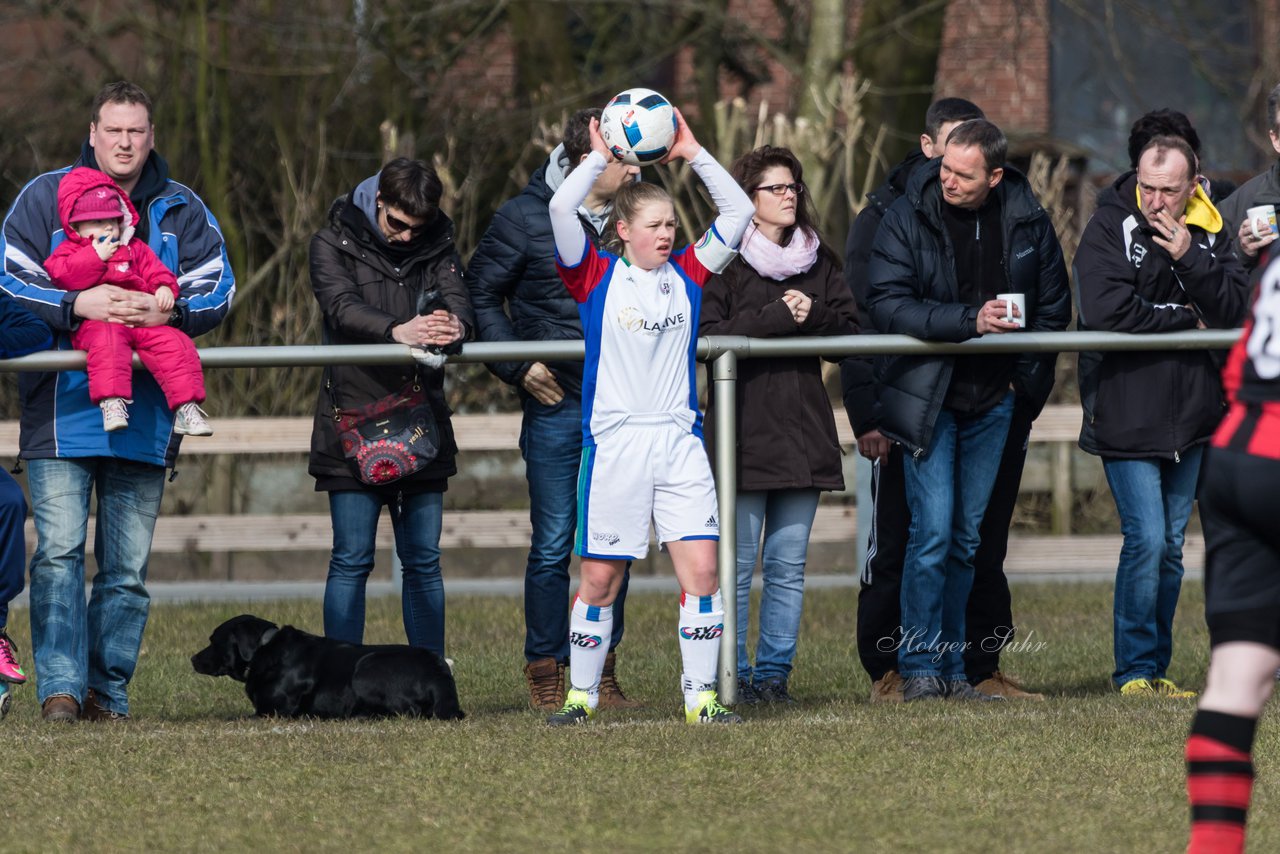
1085, 771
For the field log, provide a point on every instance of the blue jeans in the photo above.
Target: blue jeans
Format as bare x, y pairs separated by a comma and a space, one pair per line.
785, 517
947, 487
415, 520
75, 647
1153, 498
13, 543
551, 444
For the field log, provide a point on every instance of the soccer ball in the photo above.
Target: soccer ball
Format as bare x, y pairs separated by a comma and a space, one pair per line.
639, 126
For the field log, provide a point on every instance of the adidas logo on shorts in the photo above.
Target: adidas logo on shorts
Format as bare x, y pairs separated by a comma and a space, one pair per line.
712, 522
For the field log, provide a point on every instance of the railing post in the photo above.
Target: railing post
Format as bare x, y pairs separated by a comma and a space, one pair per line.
724, 372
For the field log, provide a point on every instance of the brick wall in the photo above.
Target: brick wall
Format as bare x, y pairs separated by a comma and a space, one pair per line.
483, 77
996, 54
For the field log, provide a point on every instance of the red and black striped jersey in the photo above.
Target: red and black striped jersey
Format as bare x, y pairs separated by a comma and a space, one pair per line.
1252, 376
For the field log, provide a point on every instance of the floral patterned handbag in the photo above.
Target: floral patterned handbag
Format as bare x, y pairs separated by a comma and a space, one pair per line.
391, 438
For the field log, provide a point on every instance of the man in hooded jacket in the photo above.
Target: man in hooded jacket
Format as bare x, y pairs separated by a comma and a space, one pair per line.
1155, 257
85, 657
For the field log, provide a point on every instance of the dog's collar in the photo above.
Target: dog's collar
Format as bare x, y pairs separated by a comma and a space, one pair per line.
266, 639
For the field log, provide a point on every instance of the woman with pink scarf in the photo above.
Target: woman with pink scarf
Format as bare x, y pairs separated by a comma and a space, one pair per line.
784, 283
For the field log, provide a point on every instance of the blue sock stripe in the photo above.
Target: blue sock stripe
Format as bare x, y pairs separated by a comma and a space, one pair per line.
593, 613
704, 604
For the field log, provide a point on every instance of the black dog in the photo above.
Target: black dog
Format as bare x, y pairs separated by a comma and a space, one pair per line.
290, 673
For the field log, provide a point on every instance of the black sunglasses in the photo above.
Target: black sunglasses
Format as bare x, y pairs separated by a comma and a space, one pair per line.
781, 189
398, 226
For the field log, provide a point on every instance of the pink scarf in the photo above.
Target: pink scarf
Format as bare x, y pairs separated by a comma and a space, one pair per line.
779, 262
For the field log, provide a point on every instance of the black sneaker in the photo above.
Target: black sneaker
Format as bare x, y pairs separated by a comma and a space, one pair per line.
747, 693
773, 690
923, 688
960, 689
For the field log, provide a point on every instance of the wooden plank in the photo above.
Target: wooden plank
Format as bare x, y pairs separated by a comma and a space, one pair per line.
510, 529
1058, 423
484, 432
476, 432
312, 532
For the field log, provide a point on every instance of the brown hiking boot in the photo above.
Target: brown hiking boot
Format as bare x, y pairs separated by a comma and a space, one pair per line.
887, 689
60, 708
546, 684
94, 711
1000, 685
611, 696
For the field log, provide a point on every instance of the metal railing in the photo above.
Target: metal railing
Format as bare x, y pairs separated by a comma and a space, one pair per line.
722, 352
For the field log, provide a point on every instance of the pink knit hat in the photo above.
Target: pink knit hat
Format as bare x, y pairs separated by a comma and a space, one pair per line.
98, 203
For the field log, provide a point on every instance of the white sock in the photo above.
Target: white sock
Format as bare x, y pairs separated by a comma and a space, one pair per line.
701, 625
590, 630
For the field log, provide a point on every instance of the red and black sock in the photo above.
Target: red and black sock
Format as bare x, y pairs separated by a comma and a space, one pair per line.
1219, 780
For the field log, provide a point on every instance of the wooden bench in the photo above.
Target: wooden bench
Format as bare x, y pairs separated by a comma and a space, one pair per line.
220, 533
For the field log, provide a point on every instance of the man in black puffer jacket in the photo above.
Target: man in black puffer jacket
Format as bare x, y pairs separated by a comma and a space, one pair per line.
967, 229
1155, 257
518, 296
879, 613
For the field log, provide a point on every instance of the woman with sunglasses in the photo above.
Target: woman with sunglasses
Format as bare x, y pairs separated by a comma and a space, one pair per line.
387, 243
785, 282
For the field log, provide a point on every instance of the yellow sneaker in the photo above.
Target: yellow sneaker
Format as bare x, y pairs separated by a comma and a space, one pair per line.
1169, 688
1138, 688
576, 710
709, 711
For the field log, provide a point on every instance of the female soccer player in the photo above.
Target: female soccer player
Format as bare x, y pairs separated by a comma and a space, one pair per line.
642, 455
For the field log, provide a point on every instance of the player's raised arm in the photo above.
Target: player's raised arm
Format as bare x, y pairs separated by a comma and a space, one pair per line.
734, 207
571, 239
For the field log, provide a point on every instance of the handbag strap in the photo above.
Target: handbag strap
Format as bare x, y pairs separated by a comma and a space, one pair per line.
417, 384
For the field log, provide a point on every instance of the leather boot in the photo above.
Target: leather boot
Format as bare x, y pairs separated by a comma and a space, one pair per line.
96, 712
546, 684
611, 696
60, 708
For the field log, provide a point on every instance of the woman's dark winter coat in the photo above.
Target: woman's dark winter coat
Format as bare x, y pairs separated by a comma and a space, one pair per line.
786, 431
365, 287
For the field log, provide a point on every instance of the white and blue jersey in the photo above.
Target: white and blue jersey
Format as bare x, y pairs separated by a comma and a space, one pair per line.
640, 329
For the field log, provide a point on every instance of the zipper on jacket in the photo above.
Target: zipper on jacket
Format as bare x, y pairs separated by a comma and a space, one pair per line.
1176, 458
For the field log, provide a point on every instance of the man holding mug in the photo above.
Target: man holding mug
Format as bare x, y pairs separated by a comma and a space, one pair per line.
1251, 209
967, 228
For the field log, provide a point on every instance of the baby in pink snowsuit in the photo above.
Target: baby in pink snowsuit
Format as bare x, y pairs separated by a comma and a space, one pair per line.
99, 220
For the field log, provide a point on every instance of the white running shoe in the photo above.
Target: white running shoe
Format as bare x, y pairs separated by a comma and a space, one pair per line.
115, 415
190, 421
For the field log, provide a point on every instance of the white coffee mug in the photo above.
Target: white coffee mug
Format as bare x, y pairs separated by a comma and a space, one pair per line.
1264, 215
1011, 300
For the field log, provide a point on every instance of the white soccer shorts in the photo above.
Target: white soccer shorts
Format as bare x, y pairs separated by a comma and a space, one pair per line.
638, 473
